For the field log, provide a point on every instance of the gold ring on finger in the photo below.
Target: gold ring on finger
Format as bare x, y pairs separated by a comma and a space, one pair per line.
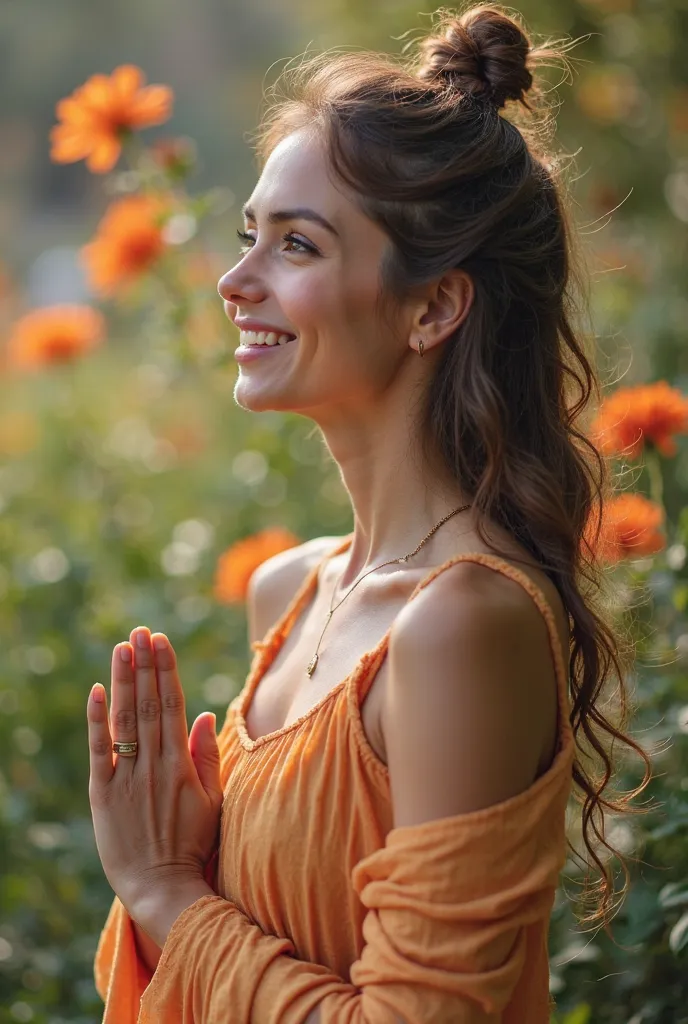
125, 749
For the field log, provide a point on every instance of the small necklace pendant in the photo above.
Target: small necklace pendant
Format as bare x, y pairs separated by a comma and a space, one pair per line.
312, 664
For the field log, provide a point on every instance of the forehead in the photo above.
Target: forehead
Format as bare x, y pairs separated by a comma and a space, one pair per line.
297, 173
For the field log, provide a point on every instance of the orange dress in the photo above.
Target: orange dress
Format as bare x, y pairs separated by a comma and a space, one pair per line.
321, 902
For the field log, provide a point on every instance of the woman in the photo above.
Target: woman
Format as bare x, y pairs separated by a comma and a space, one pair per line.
394, 776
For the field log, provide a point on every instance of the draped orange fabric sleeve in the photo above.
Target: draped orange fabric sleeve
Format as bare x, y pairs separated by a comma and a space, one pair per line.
441, 898
119, 973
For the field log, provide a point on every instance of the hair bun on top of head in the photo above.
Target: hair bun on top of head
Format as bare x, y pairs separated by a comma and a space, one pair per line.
482, 53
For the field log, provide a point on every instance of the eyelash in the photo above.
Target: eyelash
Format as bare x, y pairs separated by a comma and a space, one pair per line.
285, 238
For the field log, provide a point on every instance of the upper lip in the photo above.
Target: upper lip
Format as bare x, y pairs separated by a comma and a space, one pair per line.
255, 325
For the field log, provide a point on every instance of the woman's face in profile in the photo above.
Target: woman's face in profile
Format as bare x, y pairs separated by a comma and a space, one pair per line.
311, 268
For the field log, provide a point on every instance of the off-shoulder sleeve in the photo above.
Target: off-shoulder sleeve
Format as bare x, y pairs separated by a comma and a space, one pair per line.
453, 905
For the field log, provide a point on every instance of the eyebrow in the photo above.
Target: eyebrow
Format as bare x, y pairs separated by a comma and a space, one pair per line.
300, 213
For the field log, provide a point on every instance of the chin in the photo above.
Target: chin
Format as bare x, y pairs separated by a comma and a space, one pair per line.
249, 395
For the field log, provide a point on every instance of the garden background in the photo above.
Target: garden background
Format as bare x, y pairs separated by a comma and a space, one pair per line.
134, 491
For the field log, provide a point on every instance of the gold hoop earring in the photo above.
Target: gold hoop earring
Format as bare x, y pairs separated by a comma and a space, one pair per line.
421, 347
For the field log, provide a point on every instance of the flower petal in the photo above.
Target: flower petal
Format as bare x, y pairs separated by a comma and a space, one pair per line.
69, 145
104, 155
71, 111
127, 80
153, 105
96, 95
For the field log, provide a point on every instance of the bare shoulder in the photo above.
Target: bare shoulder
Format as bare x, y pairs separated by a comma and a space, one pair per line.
470, 711
276, 580
469, 593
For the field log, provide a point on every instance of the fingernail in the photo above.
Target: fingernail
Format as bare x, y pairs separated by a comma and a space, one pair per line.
97, 693
125, 653
141, 639
160, 643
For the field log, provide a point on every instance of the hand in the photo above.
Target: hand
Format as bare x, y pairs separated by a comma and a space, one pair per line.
156, 815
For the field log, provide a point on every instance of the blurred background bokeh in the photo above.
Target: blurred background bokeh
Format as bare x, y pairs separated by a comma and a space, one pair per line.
134, 491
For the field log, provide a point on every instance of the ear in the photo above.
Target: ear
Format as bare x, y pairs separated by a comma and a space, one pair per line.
445, 307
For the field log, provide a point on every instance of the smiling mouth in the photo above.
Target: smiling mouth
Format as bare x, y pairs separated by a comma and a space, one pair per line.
255, 339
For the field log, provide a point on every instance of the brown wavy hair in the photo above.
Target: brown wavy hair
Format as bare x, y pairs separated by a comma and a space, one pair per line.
455, 183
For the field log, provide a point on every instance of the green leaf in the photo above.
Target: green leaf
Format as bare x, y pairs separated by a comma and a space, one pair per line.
675, 894
640, 915
683, 525
581, 1015
678, 936
680, 597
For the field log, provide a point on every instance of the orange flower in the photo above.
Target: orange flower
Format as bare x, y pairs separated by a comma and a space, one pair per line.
238, 563
55, 334
101, 112
630, 528
632, 416
129, 240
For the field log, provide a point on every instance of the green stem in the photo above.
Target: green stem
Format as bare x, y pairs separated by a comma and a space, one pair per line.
132, 150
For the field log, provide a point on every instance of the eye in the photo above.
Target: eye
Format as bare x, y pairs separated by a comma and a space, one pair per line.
289, 238
246, 238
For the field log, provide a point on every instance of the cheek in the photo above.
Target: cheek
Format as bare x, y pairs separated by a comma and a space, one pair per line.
308, 302
334, 295
351, 301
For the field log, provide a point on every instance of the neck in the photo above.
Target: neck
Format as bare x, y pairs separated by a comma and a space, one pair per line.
397, 497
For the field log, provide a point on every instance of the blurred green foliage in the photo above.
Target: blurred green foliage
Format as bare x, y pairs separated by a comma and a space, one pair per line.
124, 476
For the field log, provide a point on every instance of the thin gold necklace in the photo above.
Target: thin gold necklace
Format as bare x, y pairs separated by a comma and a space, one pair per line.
312, 664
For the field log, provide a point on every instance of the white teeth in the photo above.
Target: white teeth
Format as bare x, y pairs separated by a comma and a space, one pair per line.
263, 338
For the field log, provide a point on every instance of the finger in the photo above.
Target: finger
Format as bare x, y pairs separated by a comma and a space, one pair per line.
146, 695
174, 731
99, 738
206, 755
123, 706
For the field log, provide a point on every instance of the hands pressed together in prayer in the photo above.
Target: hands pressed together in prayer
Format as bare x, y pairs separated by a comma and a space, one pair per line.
156, 814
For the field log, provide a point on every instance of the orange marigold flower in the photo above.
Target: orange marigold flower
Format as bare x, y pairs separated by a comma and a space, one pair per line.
101, 112
55, 334
630, 417
129, 240
630, 528
238, 563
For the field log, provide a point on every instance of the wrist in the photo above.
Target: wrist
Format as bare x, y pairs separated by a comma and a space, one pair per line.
158, 910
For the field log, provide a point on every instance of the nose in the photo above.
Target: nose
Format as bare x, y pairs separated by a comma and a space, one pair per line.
237, 286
